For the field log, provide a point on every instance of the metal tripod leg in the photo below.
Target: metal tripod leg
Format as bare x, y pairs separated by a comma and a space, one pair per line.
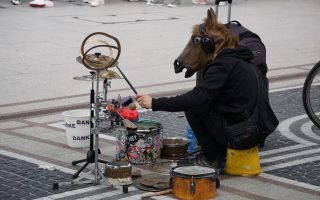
79, 161
102, 161
89, 179
88, 160
75, 175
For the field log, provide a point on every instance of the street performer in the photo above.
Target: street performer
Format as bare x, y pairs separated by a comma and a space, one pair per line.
226, 90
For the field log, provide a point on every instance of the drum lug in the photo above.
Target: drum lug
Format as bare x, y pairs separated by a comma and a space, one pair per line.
217, 183
192, 187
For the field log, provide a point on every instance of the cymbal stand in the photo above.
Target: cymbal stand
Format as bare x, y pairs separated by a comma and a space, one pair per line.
98, 177
91, 152
106, 84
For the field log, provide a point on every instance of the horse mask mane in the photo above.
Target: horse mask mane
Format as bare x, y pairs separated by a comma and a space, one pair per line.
207, 41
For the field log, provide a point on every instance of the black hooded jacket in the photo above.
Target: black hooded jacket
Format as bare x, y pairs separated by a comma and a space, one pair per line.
228, 84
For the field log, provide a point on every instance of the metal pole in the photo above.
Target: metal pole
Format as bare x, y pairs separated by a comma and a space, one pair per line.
96, 149
229, 12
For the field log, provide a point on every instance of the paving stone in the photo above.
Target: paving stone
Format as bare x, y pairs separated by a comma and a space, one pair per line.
4, 195
30, 197
21, 194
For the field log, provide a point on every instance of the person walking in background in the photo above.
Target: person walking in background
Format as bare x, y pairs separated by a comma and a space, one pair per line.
174, 3
201, 2
35, 3
16, 2
155, 2
94, 3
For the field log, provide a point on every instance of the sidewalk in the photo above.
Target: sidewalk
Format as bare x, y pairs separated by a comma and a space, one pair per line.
38, 48
35, 155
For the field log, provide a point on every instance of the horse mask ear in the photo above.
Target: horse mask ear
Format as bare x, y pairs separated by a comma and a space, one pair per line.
211, 17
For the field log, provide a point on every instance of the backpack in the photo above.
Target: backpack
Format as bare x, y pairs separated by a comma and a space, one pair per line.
267, 120
253, 42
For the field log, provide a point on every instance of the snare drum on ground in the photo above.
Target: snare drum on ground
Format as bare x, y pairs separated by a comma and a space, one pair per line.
194, 182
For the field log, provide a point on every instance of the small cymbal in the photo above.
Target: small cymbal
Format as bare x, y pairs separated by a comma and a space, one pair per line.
107, 74
97, 62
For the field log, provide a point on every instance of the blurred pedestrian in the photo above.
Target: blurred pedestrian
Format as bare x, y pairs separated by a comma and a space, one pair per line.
41, 3
155, 2
201, 2
174, 3
94, 3
16, 2
35, 3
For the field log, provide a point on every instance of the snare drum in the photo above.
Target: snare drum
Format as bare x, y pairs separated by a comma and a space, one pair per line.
142, 146
118, 172
193, 182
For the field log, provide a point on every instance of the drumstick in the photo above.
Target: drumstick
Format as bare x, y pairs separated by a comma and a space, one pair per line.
150, 194
127, 123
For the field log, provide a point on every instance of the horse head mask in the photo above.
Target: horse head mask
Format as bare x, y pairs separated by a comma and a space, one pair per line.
208, 39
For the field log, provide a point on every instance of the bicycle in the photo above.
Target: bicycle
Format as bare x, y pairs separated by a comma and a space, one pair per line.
310, 94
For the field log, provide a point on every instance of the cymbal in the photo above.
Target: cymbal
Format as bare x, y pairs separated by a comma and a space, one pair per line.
97, 61
93, 59
107, 74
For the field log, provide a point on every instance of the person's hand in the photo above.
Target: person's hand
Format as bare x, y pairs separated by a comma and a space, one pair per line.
144, 100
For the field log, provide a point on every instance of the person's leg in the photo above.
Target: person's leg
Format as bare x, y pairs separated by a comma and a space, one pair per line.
208, 144
214, 124
208, 131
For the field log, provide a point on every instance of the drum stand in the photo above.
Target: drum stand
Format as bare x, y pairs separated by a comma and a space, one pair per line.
95, 176
91, 153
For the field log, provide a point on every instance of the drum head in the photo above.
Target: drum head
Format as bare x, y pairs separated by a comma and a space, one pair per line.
194, 171
117, 164
148, 125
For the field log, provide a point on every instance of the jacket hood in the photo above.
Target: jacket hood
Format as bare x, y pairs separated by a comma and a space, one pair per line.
240, 52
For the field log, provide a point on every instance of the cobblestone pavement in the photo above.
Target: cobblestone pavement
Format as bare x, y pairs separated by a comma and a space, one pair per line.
292, 157
20, 179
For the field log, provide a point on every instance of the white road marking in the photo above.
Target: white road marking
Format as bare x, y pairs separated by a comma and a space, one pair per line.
306, 129
284, 129
291, 163
283, 149
290, 155
73, 192
289, 181
285, 88
108, 194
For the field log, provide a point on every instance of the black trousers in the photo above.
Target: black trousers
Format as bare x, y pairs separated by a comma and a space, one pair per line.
208, 129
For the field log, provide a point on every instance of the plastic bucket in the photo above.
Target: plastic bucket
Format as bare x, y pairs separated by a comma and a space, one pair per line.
243, 162
77, 123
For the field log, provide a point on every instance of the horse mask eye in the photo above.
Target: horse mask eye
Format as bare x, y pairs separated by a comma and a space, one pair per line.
196, 40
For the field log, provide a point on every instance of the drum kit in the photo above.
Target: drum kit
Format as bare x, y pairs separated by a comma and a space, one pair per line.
138, 142
104, 114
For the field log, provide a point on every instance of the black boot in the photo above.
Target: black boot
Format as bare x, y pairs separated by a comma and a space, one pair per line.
218, 164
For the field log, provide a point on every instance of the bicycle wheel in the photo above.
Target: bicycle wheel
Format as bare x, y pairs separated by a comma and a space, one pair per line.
311, 94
